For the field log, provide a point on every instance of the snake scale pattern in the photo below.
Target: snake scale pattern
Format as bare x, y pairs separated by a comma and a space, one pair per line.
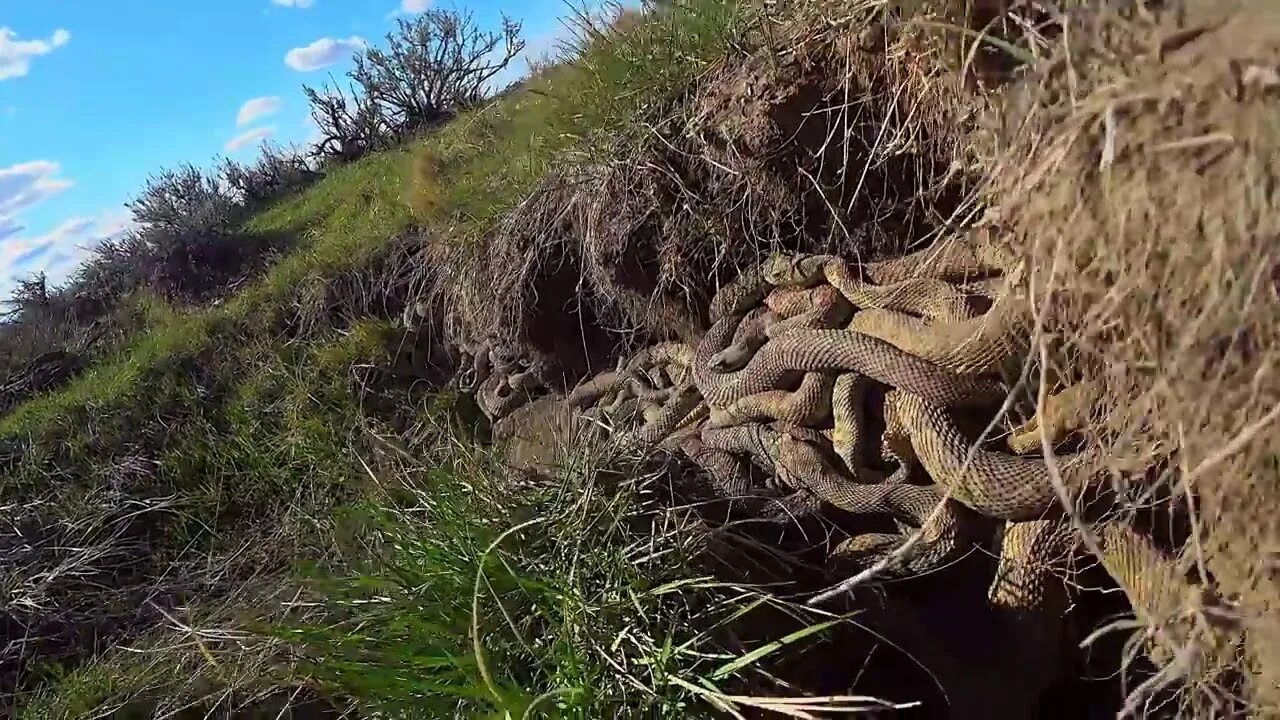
852, 387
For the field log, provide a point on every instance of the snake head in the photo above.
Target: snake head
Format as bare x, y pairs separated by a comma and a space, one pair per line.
779, 269
719, 418
728, 360
796, 269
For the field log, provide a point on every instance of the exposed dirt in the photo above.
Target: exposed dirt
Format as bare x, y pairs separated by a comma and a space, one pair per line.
1135, 171
820, 141
1138, 173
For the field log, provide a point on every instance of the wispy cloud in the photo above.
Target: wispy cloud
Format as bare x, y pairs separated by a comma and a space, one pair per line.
58, 252
9, 227
257, 108
249, 137
410, 7
15, 54
301, 4
323, 53
26, 184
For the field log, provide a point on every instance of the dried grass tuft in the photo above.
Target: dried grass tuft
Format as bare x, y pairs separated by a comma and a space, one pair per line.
1138, 173
818, 135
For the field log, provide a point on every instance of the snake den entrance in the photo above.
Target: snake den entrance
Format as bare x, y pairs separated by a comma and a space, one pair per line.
935, 360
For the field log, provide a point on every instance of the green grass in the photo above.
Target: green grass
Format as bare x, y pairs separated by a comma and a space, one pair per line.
264, 456
578, 599
478, 168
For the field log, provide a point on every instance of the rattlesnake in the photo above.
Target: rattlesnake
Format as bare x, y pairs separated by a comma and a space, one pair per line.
1003, 486
806, 350
782, 380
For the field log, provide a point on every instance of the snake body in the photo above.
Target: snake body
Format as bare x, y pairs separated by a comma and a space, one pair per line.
832, 351
974, 345
809, 404
802, 466
848, 432
745, 292
1064, 412
787, 302
1029, 597
807, 338
995, 484
751, 333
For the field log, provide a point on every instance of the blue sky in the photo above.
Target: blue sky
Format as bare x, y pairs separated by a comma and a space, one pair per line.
96, 95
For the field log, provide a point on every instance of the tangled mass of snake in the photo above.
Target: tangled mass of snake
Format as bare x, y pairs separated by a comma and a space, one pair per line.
827, 385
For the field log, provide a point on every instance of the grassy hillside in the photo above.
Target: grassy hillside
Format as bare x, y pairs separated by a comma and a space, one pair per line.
287, 502
188, 485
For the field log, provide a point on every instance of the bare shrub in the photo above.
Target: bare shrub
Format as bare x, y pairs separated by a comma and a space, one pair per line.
435, 64
350, 126
43, 333
182, 200
275, 173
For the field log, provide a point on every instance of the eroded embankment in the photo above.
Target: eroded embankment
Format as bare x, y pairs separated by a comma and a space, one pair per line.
1074, 377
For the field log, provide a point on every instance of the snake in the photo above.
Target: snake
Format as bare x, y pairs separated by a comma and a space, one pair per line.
827, 309
848, 433
975, 345
506, 388
1177, 613
945, 535
751, 333
801, 466
959, 260
809, 350
786, 302
746, 291
942, 522
1029, 598
1064, 412
927, 297
1004, 486
809, 404
821, 307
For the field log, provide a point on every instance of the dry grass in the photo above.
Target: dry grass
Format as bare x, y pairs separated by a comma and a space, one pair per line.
809, 133
1137, 173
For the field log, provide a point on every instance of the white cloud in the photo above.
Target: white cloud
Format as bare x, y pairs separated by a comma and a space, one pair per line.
248, 138
15, 54
58, 252
410, 7
26, 184
257, 108
301, 4
8, 227
22, 186
323, 53
69, 230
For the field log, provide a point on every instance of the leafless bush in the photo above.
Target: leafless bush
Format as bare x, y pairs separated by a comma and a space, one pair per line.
275, 173
39, 323
434, 65
114, 269
350, 126
182, 200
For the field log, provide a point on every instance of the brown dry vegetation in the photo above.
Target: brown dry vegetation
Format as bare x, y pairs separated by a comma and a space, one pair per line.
1133, 167
819, 137
1138, 174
